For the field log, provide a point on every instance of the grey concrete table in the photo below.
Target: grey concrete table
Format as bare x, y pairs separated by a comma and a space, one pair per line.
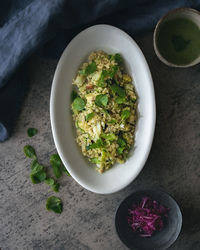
87, 221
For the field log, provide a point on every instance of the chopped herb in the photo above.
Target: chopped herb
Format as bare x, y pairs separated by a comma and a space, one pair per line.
107, 73
116, 89
56, 163
89, 116
33, 163
109, 137
125, 114
50, 181
53, 184
54, 204
101, 82
91, 68
113, 71
101, 100
78, 104
32, 131
95, 160
97, 144
117, 58
38, 173
120, 100
122, 144
112, 121
58, 166
73, 95
29, 151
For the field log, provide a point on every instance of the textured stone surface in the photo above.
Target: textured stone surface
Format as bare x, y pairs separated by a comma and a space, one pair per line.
87, 221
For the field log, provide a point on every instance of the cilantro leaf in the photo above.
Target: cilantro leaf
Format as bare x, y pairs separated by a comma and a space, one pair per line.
98, 144
89, 116
32, 131
38, 173
125, 114
95, 160
118, 90
101, 81
113, 71
120, 100
34, 163
101, 100
107, 73
117, 58
91, 68
49, 181
29, 151
78, 104
112, 121
53, 184
57, 165
73, 95
109, 137
122, 145
54, 204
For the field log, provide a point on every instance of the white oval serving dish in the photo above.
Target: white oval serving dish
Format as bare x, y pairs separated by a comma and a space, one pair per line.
111, 40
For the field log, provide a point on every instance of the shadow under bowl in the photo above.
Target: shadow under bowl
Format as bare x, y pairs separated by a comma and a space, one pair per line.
161, 239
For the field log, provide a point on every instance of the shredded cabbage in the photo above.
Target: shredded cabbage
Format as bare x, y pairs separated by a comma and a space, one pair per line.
147, 217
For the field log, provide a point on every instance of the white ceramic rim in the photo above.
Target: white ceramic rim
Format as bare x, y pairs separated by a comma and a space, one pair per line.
52, 112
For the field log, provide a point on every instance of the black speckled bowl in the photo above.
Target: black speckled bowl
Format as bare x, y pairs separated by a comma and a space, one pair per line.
160, 240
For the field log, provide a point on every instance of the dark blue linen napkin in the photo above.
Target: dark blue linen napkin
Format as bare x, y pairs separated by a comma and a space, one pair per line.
27, 25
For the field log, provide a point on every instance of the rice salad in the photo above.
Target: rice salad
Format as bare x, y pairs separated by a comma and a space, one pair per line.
104, 110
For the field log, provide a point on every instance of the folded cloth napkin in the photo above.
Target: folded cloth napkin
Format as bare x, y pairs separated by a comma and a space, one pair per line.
26, 25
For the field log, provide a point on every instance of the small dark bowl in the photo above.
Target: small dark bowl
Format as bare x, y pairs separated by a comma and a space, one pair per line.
161, 239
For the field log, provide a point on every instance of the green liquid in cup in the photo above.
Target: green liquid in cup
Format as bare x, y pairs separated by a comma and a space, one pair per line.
178, 41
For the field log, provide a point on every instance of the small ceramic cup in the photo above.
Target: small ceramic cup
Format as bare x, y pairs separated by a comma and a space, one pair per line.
188, 13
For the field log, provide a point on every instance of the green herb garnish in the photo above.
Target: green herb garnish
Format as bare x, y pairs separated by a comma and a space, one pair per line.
95, 160
98, 144
117, 58
109, 137
122, 145
78, 104
113, 71
91, 68
101, 100
38, 173
120, 100
89, 116
54, 204
53, 184
29, 151
73, 95
33, 163
101, 81
112, 121
107, 73
32, 131
125, 114
116, 89
57, 165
